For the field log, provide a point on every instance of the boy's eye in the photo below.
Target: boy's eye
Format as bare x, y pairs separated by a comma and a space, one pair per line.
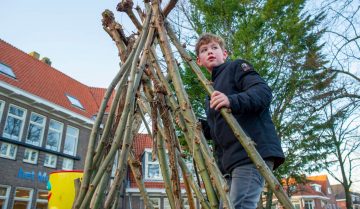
203, 50
215, 47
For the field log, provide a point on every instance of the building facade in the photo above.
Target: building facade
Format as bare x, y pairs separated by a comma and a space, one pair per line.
152, 178
315, 193
340, 197
45, 123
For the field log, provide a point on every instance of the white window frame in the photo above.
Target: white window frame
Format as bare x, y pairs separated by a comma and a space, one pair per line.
167, 203
29, 200
312, 204
186, 200
149, 162
49, 164
155, 199
73, 153
316, 187
18, 118
2, 108
42, 126
7, 155
65, 164
295, 202
40, 200
6, 197
55, 130
28, 158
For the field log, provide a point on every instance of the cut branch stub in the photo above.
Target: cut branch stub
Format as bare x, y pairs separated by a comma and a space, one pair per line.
125, 5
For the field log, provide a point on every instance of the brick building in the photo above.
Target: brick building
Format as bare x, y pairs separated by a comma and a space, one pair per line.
340, 197
315, 193
152, 178
45, 122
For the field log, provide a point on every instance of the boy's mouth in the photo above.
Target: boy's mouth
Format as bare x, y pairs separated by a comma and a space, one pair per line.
211, 58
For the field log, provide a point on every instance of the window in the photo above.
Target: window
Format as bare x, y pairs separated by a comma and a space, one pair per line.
186, 203
309, 204
14, 123
8, 150
50, 160
152, 168
68, 164
30, 156
2, 105
166, 204
54, 135
41, 200
74, 101
5, 69
155, 202
23, 197
36, 129
329, 190
296, 204
4, 196
316, 187
71, 140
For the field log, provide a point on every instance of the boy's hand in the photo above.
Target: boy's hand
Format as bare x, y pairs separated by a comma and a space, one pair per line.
219, 100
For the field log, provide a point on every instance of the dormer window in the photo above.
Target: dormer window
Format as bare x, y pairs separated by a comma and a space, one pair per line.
316, 187
75, 102
5, 69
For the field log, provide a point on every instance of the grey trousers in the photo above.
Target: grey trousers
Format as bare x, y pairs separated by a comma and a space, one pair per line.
246, 184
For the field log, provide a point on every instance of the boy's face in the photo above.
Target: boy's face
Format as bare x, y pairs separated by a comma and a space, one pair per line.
211, 55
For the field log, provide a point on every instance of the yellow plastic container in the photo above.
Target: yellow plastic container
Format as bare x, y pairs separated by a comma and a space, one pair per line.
62, 189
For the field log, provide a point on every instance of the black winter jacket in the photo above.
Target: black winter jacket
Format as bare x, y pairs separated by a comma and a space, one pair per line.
250, 99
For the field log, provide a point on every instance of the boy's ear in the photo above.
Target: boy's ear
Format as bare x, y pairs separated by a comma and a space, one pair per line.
225, 54
198, 61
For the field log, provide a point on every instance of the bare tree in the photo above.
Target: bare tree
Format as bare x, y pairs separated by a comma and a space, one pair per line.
343, 137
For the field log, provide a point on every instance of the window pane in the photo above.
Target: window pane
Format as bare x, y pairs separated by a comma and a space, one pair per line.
42, 195
72, 131
153, 171
12, 128
23, 193
41, 205
71, 140
50, 160
20, 204
3, 191
55, 125
68, 164
37, 118
7, 70
74, 101
2, 204
4, 148
53, 140
16, 111
12, 150
34, 134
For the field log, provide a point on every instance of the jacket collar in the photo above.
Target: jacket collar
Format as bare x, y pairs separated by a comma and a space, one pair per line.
217, 70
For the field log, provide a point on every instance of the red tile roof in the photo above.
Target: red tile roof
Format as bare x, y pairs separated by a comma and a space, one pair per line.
306, 189
42, 80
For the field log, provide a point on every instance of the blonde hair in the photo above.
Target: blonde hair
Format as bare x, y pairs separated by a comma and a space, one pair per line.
206, 38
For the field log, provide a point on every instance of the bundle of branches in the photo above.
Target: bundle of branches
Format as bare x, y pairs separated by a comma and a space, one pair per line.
143, 88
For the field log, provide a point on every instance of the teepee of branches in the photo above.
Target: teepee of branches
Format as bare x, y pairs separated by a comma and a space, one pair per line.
145, 87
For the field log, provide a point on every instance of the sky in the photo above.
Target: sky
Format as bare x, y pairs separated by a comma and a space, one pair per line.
70, 33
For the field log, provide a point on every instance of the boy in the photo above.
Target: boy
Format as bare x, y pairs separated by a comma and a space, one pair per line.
238, 87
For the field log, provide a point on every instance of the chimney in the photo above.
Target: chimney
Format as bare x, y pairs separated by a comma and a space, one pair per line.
46, 60
35, 55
